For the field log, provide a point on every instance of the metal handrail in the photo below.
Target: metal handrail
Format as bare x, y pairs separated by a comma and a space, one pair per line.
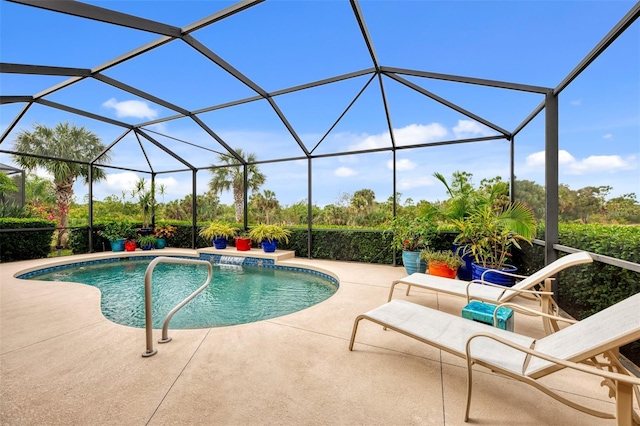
148, 311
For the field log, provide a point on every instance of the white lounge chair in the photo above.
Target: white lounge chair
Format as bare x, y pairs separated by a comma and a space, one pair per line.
497, 294
576, 346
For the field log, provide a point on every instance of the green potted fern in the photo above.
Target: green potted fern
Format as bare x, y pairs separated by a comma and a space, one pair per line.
269, 235
218, 233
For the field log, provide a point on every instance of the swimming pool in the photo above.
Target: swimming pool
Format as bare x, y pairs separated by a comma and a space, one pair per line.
238, 294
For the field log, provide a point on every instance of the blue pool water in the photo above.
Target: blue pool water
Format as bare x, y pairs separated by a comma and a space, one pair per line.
236, 295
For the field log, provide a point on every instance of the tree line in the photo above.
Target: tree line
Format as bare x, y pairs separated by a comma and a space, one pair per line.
53, 198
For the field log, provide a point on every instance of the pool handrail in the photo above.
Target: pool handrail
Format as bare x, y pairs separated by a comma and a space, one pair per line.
148, 310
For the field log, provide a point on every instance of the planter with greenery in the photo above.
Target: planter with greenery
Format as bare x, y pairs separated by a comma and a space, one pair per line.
269, 235
218, 233
147, 203
162, 233
489, 233
411, 236
443, 263
147, 242
130, 245
116, 233
243, 242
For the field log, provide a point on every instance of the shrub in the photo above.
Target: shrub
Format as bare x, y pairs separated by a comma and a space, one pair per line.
21, 245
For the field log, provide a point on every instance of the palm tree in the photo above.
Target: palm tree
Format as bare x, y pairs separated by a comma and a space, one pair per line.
265, 202
63, 141
232, 178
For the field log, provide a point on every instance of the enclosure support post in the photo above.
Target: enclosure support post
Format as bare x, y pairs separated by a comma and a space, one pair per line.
309, 209
395, 200
512, 174
551, 181
194, 209
153, 195
90, 208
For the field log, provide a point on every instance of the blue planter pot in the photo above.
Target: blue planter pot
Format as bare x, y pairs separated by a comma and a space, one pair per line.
412, 262
464, 272
220, 243
161, 243
117, 245
147, 247
493, 277
269, 246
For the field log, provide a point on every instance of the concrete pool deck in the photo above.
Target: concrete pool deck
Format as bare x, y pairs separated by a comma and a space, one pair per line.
63, 363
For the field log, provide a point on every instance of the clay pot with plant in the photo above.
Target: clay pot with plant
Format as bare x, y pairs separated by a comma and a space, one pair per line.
411, 235
162, 233
442, 263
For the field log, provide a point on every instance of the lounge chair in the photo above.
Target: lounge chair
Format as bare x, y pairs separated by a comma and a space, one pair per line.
497, 294
576, 346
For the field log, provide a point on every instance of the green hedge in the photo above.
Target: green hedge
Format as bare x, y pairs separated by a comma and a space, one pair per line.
22, 245
585, 290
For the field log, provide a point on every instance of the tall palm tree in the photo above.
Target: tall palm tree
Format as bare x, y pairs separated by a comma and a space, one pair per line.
266, 202
63, 141
232, 178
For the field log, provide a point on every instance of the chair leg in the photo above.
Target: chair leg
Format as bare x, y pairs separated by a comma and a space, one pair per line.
547, 306
624, 404
469, 385
354, 331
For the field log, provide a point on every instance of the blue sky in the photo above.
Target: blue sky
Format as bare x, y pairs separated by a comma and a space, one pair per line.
281, 44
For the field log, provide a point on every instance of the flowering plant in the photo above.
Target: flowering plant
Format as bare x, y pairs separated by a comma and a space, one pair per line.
411, 234
164, 231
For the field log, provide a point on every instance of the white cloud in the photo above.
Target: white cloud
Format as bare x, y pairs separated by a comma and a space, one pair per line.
118, 182
468, 129
402, 165
344, 172
593, 163
607, 136
371, 142
136, 109
576, 102
418, 182
413, 134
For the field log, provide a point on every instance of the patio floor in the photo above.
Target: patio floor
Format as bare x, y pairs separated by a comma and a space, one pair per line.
62, 362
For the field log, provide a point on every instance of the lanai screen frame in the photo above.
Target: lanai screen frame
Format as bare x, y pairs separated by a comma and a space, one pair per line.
377, 71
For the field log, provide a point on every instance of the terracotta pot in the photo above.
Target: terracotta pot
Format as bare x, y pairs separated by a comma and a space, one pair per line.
441, 270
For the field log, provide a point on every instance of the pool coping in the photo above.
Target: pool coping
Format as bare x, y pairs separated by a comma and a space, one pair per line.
253, 257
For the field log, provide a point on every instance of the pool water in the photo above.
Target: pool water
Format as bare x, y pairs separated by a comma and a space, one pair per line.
236, 294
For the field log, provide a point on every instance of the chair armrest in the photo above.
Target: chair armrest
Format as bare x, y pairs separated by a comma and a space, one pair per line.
478, 282
498, 271
532, 312
569, 364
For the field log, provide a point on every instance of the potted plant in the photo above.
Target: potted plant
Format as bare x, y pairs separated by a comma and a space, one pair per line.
147, 242
147, 203
243, 242
442, 263
116, 233
488, 235
162, 233
269, 235
218, 233
411, 236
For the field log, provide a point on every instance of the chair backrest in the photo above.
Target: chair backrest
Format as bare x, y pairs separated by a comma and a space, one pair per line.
608, 329
548, 271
